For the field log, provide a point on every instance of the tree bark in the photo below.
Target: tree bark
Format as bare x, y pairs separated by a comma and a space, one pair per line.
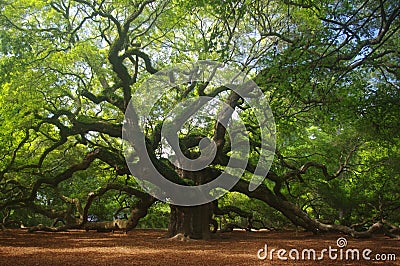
193, 222
139, 211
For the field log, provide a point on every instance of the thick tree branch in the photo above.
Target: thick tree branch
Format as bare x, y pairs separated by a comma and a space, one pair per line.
68, 173
142, 55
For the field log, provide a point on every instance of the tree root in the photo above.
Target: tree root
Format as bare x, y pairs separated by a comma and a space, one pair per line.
181, 237
41, 227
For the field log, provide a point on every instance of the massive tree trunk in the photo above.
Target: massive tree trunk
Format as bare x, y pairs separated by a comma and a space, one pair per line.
193, 222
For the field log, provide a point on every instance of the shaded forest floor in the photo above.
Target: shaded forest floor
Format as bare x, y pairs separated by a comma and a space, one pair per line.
142, 247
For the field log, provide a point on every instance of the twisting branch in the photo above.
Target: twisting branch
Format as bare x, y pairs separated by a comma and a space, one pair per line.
138, 211
342, 167
113, 186
14, 154
142, 55
68, 173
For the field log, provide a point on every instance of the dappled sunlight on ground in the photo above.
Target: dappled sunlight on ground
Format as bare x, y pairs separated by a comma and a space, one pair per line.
143, 247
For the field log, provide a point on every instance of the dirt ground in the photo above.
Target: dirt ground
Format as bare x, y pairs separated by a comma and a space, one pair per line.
143, 247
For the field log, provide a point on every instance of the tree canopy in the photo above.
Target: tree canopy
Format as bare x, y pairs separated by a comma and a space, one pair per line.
329, 69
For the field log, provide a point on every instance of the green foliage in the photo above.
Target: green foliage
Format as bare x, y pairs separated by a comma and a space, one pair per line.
330, 70
157, 217
269, 217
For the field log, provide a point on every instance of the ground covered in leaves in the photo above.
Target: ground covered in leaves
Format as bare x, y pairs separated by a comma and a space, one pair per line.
143, 247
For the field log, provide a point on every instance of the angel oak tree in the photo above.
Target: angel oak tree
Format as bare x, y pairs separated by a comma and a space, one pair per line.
328, 68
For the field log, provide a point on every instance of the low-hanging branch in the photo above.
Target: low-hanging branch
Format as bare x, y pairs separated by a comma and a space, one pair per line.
53, 181
112, 186
68, 173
